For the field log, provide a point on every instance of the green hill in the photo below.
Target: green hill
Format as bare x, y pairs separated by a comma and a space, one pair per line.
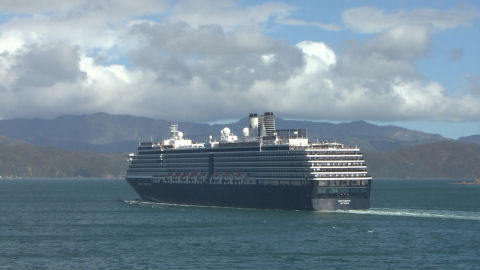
21, 159
445, 159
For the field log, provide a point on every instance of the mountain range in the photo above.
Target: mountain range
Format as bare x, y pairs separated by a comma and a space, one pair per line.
95, 145
107, 133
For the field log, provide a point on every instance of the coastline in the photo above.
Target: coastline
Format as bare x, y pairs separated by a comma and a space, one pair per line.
474, 182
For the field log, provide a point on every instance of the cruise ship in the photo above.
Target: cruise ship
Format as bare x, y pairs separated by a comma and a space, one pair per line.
266, 168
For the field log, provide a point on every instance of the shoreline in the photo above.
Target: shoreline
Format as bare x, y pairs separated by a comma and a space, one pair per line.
474, 182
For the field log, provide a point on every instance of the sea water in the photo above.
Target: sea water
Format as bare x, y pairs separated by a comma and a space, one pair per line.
100, 224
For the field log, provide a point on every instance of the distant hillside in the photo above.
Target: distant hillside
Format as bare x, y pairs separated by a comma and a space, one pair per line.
470, 139
98, 132
21, 159
445, 159
107, 133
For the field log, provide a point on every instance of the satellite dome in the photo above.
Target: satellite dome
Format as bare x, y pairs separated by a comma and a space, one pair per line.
226, 131
246, 131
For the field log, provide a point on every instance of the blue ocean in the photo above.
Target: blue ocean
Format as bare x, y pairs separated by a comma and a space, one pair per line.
99, 224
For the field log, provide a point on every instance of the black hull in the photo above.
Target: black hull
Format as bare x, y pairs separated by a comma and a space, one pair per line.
244, 196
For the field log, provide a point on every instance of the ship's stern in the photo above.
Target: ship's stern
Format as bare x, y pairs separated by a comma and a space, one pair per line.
347, 203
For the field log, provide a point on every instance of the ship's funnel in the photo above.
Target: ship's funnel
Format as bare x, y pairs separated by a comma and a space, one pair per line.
253, 125
268, 124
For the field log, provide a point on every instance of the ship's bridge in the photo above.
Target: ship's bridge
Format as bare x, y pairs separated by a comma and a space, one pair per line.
177, 140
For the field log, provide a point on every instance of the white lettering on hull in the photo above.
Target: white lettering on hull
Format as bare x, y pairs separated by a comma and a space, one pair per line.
344, 201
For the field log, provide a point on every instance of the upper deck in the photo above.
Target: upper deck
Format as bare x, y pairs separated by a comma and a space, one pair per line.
260, 135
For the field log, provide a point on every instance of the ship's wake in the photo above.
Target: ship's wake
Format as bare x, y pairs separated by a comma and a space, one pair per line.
162, 204
441, 214
422, 213
143, 203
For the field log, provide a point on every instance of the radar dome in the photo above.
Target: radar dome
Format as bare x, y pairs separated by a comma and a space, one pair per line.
246, 131
180, 135
226, 131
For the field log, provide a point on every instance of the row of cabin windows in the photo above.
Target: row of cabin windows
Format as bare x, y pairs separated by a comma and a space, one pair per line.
346, 169
262, 164
223, 154
342, 183
244, 162
176, 160
362, 163
334, 158
150, 161
255, 151
304, 175
155, 165
334, 153
248, 168
341, 175
341, 190
284, 155
259, 172
261, 158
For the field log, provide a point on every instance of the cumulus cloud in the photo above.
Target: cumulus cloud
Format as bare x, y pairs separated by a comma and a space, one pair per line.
226, 61
108, 9
203, 62
227, 14
379, 74
46, 65
318, 56
25, 6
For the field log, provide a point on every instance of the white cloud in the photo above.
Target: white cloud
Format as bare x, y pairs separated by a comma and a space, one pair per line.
226, 61
11, 41
206, 62
317, 55
94, 26
26, 6
117, 9
227, 14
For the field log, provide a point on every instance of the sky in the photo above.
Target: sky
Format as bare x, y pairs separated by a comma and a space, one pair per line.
407, 63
